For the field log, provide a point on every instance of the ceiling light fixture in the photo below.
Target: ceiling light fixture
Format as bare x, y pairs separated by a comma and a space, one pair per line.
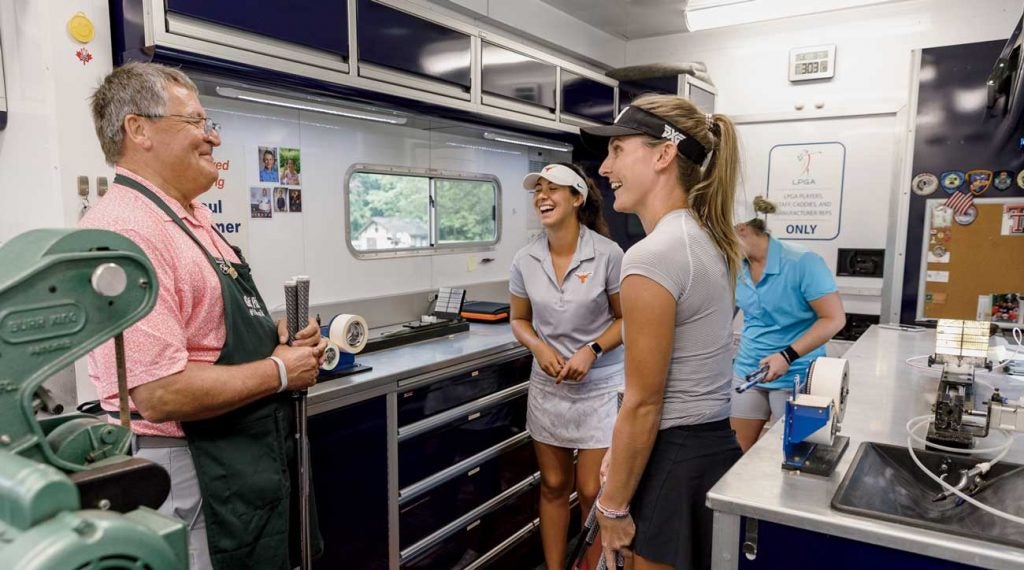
501, 137
307, 105
487, 148
707, 14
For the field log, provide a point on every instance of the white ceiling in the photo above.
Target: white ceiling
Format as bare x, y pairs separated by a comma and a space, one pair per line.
627, 19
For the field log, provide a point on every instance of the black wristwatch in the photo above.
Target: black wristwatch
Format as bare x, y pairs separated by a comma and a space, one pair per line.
598, 351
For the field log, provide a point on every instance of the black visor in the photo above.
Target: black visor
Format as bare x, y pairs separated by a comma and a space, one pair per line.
637, 121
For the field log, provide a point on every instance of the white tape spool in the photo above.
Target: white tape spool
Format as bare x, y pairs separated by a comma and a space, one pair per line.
332, 355
829, 378
349, 332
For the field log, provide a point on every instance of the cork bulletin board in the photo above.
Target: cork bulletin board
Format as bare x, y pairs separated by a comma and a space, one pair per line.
979, 260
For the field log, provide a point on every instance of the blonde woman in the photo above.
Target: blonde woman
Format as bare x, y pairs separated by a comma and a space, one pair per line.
676, 168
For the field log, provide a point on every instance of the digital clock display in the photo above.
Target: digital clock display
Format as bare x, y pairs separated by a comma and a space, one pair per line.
812, 63
812, 67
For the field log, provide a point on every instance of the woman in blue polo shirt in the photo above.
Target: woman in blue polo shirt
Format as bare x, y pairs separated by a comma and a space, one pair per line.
564, 289
791, 308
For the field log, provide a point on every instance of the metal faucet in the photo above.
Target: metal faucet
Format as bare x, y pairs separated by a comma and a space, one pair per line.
970, 477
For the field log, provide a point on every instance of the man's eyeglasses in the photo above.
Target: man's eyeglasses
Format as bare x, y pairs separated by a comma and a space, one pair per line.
205, 123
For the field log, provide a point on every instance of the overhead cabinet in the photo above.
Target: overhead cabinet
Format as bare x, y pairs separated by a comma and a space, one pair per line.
387, 51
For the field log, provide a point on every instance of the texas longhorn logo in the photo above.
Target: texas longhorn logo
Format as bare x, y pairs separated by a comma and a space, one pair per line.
584, 275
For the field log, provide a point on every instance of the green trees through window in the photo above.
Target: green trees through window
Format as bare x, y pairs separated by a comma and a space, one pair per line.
393, 211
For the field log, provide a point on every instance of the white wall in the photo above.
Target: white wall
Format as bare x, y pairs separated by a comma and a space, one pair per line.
49, 139
873, 44
314, 241
868, 97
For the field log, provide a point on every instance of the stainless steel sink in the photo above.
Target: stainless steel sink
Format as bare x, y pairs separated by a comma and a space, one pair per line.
884, 483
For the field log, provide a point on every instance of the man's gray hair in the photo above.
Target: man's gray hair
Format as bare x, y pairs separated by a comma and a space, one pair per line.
132, 89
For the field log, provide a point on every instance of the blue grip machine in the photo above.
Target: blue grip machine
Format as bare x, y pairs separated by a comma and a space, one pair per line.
811, 442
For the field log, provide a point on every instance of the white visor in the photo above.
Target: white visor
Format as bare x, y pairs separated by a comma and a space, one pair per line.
557, 174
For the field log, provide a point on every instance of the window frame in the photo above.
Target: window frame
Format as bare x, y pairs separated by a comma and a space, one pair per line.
431, 174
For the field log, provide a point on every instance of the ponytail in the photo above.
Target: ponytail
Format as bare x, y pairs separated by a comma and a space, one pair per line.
590, 214
712, 198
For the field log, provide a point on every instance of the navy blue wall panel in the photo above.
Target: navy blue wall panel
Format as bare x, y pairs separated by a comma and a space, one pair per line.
950, 135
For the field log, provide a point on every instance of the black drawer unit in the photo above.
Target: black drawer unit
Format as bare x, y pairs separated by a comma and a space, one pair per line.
440, 441
348, 460
465, 540
419, 402
424, 512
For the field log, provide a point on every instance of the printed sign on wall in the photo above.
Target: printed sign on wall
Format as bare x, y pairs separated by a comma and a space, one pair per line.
805, 181
228, 199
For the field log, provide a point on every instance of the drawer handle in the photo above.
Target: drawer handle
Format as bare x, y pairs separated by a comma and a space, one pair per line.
473, 471
473, 525
473, 416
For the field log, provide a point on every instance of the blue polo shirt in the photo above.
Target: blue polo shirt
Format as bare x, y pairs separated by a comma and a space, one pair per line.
777, 310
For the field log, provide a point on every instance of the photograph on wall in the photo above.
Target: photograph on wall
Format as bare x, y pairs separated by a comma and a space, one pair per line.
259, 202
294, 200
1006, 308
291, 166
280, 199
268, 164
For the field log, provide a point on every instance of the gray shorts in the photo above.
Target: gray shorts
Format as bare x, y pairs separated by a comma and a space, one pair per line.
759, 403
184, 501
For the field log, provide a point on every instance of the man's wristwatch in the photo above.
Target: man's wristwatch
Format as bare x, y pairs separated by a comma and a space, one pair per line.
598, 351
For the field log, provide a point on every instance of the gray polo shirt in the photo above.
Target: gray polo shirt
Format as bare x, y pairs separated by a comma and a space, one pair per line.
570, 314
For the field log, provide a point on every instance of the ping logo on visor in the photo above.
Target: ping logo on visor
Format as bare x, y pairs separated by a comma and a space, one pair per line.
637, 121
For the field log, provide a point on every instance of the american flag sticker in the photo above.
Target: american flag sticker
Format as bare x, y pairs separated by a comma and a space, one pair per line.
960, 202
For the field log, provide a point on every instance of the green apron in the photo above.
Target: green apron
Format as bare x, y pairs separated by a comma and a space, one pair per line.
245, 459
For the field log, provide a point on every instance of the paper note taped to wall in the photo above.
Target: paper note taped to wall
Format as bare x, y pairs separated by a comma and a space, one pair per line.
938, 277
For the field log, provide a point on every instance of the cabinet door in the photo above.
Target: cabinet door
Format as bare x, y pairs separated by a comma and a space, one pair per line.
348, 455
319, 24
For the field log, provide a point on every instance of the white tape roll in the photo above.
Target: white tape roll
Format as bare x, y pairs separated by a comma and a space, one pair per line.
332, 354
349, 332
830, 377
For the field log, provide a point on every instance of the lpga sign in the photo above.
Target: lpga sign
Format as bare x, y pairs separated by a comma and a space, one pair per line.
805, 181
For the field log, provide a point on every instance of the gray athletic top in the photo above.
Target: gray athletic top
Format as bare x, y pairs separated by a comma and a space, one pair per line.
681, 257
572, 313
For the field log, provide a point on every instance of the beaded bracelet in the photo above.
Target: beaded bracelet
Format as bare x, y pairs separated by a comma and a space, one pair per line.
611, 513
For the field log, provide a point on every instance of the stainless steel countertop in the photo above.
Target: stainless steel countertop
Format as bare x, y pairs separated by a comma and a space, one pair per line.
885, 392
400, 364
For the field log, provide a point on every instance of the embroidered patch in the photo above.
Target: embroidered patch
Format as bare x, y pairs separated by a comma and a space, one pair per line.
583, 276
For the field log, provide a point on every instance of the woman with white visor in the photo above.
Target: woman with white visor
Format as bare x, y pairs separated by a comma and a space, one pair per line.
564, 299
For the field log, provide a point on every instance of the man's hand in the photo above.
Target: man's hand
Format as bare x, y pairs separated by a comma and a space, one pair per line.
578, 365
309, 336
302, 364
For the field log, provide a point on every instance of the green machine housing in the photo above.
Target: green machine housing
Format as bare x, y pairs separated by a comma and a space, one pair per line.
71, 496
